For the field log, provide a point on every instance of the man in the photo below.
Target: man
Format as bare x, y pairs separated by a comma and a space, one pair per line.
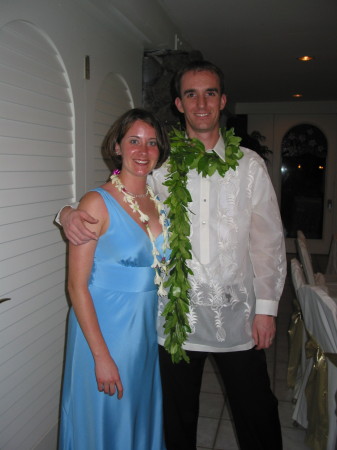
238, 261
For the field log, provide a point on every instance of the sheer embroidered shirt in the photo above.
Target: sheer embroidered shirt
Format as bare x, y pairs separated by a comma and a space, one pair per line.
239, 262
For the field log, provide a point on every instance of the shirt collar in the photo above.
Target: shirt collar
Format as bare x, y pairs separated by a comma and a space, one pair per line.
219, 148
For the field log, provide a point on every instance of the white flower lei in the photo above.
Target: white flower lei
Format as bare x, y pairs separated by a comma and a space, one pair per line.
160, 266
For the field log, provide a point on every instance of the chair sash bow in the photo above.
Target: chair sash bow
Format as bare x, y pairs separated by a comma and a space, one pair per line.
316, 392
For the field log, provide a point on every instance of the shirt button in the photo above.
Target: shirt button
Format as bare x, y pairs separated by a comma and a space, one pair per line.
205, 199
204, 222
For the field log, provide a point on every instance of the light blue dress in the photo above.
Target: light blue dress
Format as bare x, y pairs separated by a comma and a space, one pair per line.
125, 298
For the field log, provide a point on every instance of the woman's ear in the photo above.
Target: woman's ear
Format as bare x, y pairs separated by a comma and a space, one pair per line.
117, 149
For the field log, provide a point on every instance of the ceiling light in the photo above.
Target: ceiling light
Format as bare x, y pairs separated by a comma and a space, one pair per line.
297, 95
305, 58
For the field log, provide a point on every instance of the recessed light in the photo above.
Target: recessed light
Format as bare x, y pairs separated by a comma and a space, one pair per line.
305, 58
297, 95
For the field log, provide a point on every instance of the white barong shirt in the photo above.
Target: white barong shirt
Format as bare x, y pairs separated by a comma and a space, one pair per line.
238, 253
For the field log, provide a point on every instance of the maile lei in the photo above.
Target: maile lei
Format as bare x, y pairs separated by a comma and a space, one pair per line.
159, 264
187, 154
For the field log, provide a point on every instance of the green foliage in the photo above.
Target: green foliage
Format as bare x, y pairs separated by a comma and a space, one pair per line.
187, 154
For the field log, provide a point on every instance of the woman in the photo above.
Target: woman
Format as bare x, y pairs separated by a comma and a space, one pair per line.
111, 390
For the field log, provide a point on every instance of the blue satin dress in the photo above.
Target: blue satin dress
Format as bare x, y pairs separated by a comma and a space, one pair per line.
125, 298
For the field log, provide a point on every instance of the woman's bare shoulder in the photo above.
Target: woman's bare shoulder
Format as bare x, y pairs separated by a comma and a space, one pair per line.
93, 203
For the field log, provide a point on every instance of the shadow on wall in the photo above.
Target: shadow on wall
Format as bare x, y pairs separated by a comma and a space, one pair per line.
159, 68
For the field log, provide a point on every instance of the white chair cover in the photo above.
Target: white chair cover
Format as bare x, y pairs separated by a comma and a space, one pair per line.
300, 235
297, 274
305, 259
320, 319
327, 281
298, 280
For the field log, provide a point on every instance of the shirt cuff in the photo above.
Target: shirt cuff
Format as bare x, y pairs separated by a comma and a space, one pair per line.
57, 218
266, 307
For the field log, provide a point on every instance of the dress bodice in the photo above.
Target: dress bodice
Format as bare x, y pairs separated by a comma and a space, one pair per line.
128, 270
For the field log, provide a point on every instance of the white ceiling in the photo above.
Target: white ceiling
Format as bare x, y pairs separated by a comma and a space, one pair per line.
256, 43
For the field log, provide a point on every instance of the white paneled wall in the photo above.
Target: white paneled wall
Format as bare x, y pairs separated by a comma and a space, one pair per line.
113, 99
36, 173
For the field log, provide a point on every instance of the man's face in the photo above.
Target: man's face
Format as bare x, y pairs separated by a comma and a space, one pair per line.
200, 101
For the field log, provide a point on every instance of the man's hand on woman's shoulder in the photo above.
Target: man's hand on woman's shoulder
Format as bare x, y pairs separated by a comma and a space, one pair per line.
73, 223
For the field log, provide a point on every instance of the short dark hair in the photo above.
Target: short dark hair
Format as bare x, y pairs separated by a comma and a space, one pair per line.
119, 129
198, 66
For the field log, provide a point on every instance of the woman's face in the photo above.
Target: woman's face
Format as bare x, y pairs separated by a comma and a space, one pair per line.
139, 149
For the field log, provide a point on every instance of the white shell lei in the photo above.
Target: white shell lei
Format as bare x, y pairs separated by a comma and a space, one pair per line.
160, 266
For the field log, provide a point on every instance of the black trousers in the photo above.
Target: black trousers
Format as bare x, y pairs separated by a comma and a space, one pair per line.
244, 374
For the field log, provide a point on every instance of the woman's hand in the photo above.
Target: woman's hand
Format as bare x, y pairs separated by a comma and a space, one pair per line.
107, 376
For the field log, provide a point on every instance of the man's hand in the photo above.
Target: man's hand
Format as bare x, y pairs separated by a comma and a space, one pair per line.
264, 330
72, 221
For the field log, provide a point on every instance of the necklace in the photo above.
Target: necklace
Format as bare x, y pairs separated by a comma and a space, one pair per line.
187, 154
136, 195
159, 265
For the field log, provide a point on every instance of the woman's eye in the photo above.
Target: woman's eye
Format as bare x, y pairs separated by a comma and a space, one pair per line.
153, 143
134, 141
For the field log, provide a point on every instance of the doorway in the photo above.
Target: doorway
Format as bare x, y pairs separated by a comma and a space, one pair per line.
303, 166
304, 177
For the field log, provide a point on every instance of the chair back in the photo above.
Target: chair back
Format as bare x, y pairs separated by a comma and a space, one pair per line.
320, 316
316, 403
300, 235
305, 259
297, 274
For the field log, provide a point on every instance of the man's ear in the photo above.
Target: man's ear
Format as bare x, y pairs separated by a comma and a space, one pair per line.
223, 102
179, 105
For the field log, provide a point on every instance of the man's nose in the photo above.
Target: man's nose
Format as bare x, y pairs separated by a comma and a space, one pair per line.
201, 101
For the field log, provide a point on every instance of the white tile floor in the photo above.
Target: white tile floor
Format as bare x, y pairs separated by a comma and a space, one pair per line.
215, 430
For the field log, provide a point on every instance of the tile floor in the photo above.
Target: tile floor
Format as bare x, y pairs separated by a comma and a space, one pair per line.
215, 431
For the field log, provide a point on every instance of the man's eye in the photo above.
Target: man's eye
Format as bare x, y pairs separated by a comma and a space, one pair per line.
190, 94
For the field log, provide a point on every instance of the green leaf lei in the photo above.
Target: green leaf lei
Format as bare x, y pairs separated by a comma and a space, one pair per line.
187, 154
